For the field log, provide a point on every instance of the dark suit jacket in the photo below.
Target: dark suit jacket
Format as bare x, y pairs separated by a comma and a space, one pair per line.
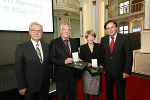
59, 53
30, 73
86, 55
121, 59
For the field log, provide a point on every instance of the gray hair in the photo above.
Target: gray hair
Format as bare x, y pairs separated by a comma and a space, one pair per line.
36, 23
63, 25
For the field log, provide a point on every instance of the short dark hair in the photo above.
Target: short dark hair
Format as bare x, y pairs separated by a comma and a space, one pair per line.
110, 21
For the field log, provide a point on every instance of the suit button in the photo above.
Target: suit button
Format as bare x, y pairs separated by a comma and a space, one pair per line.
111, 58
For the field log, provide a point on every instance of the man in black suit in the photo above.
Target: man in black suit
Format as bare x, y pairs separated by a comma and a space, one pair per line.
117, 60
33, 70
60, 52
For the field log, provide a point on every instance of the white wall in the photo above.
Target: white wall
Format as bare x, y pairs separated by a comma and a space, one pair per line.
145, 40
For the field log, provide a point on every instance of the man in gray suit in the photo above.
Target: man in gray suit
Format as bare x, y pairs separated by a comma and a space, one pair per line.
60, 52
33, 70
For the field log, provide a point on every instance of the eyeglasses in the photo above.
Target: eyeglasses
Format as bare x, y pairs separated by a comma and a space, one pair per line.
36, 31
64, 29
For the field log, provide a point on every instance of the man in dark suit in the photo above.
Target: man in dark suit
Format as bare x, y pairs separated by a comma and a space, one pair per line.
33, 70
60, 52
117, 60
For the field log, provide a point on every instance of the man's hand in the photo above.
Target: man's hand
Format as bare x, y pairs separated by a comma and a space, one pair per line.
68, 60
23, 91
51, 80
125, 75
101, 66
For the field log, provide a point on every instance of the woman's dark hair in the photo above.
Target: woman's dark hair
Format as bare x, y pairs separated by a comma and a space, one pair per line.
110, 21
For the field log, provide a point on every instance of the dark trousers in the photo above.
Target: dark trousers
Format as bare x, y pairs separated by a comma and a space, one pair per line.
43, 94
120, 85
64, 88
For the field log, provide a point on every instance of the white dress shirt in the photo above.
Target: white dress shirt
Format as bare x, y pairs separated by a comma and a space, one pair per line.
114, 38
40, 47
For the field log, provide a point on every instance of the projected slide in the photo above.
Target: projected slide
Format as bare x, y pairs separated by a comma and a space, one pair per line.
16, 15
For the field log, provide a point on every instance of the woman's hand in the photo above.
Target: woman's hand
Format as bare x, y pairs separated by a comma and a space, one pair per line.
89, 65
80, 59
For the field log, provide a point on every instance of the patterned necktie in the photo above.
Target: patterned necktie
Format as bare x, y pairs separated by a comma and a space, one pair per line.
112, 44
67, 46
38, 52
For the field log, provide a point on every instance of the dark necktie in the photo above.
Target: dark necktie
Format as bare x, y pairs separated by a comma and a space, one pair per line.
112, 44
38, 52
67, 46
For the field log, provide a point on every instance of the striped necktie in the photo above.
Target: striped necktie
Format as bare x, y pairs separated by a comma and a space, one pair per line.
38, 52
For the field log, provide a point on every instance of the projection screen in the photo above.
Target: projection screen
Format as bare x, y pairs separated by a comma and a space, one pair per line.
16, 15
